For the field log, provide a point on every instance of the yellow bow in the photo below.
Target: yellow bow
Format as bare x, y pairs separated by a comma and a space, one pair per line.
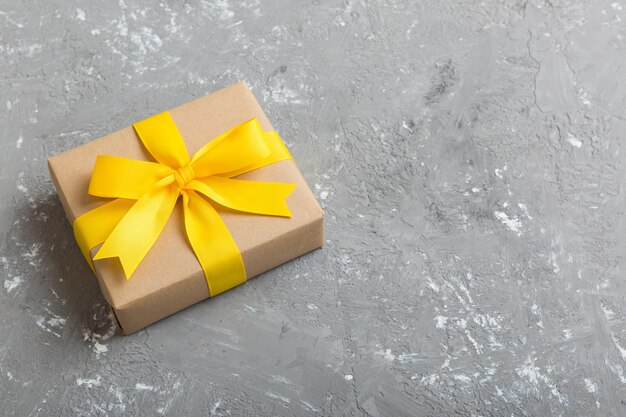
146, 192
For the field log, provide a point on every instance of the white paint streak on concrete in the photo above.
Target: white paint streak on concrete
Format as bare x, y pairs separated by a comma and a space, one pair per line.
574, 141
530, 372
619, 347
53, 324
463, 378
96, 339
592, 387
608, 313
278, 397
100, 348
440, 321
215, 406
89, 382
524, 209
11, 284
512, 223
386, 354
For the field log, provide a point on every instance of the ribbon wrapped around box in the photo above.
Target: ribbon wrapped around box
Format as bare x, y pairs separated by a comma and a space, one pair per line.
185, 205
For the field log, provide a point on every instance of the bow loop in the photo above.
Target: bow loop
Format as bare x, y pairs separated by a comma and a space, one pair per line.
116, 177
161, 138
235, 149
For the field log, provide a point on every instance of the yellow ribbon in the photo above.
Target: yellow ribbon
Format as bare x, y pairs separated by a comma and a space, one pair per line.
146, 192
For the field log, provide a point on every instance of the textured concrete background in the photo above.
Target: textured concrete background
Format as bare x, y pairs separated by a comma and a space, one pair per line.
469, 158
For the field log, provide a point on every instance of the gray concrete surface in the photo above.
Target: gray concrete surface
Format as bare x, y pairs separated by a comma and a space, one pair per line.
469, 156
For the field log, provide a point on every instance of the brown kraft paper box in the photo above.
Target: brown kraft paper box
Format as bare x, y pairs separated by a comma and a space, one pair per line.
170, 278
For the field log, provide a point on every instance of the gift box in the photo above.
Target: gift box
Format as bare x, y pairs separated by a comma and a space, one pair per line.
191, 208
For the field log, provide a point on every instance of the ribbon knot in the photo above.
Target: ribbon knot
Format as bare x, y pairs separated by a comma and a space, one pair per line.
146, 192
183, 176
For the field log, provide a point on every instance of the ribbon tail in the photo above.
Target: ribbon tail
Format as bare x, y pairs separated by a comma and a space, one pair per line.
213, 245
137, 231
267, 198
93, 227
117, 177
